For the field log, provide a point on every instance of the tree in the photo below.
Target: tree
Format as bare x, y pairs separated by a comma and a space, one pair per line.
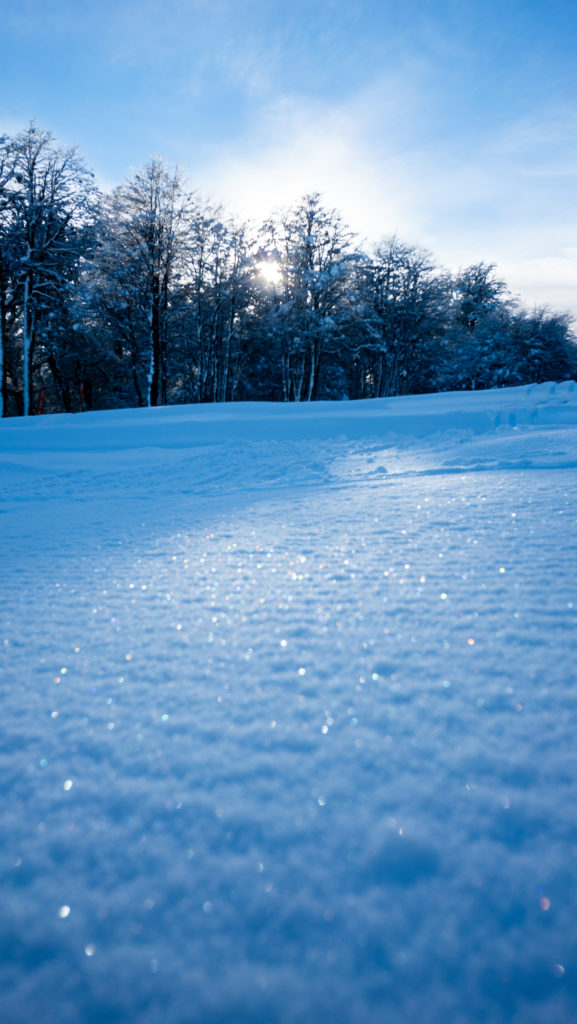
493, 342
315, 253
214, 305
402, 303
7, 264
143, 230
477, 336
477, 295
50, 207
545, 345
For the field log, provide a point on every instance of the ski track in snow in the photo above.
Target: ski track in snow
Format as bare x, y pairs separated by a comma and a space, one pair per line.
289, 713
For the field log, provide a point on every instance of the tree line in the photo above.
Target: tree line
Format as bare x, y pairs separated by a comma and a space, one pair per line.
152, 295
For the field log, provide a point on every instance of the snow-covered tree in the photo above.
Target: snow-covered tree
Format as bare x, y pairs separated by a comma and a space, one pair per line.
8, 256
491, 341
47, 219
150, 295
400, 302
315, 252
477, 295
545, 344
214, 302
143, 230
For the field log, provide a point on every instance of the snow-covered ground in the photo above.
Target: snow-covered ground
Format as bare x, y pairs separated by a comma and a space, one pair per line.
289, 713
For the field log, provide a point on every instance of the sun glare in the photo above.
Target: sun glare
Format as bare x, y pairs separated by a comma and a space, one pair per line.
270, 271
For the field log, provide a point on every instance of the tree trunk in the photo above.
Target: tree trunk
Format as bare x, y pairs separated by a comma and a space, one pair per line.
135, 380
155, 354
28, 331
61, 389
3, 382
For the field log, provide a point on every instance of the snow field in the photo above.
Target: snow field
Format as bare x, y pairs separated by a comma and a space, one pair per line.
289, 722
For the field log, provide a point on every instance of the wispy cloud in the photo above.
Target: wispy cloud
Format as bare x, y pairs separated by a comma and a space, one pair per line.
298, 145
368, 158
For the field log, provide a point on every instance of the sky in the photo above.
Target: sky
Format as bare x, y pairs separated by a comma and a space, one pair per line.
450, 122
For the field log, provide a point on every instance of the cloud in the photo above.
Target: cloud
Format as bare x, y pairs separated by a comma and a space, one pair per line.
545, 280
500, 201
301, 145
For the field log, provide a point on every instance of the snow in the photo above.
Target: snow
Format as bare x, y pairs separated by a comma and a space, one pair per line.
289, 713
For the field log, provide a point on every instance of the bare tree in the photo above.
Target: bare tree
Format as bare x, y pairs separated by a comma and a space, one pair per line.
50, 208
6, 263
143, 229
315, 253
217, 295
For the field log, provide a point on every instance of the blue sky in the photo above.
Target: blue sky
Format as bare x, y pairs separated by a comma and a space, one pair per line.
452, 123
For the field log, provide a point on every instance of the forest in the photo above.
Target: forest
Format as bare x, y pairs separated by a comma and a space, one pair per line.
153, 295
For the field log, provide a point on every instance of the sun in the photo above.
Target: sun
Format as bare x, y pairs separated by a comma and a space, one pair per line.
270, 270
